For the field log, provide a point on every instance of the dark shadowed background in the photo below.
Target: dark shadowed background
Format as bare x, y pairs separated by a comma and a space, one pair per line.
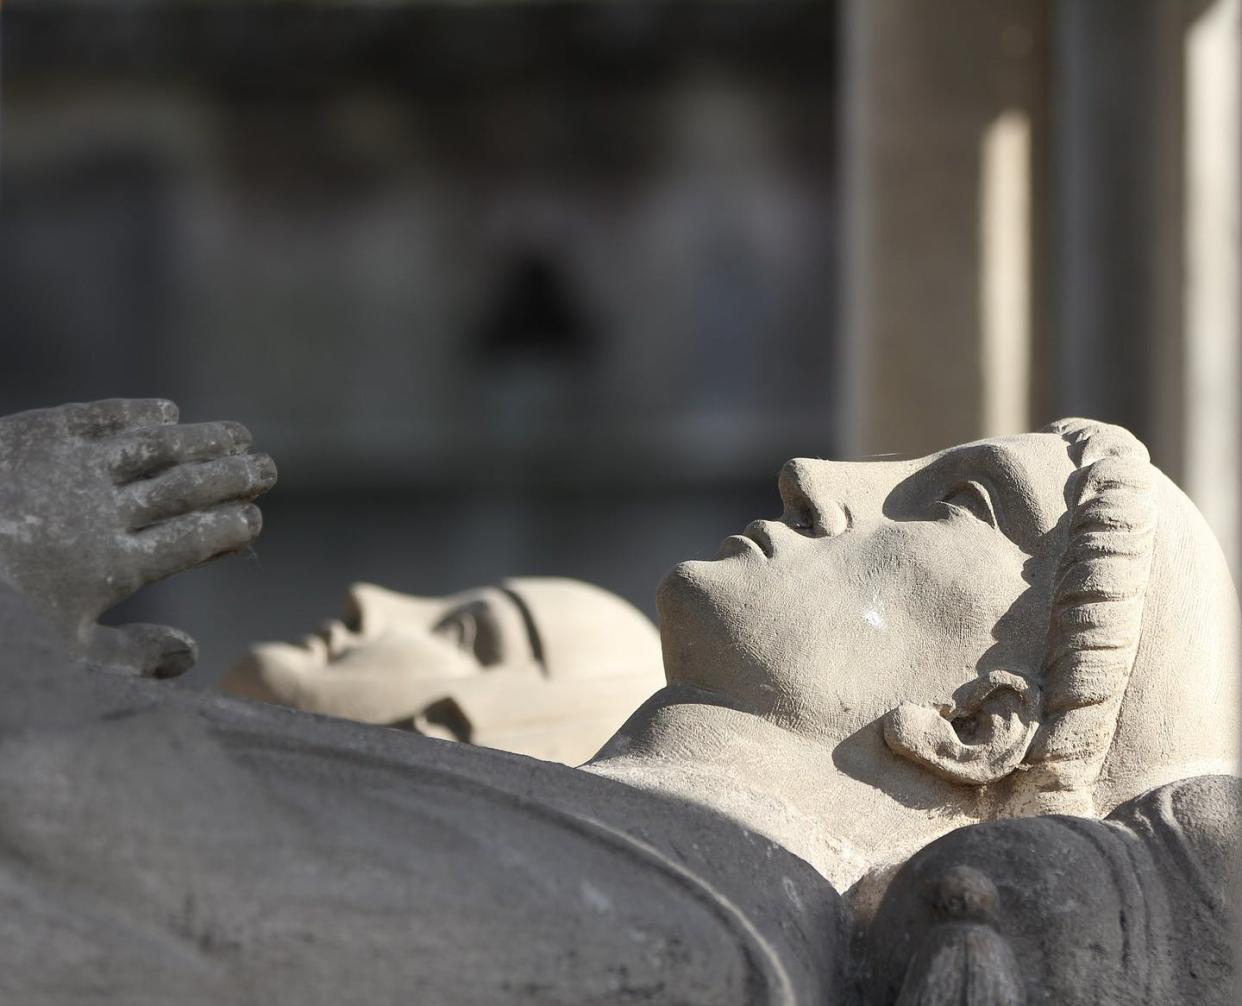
554, 288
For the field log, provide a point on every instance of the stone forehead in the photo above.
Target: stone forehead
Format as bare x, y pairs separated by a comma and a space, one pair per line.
580, 628
1037, 458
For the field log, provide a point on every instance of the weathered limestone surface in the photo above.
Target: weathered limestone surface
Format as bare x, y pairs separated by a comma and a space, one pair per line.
1011, 665
1138, 908
98, 499
1030, 624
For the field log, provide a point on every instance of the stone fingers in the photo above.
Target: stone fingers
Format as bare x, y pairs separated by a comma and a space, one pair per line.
191, 540
145, 452
199, 486
87, 420
113, 415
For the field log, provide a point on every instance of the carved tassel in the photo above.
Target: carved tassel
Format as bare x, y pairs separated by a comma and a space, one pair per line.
963, 965
964, 961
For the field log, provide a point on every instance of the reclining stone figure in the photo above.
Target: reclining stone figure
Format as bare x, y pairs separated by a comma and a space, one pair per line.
1024, 625
541, 666
1019, 626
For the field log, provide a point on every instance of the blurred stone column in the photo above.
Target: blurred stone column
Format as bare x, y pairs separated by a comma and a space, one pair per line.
1147, 187
944, 109
1042, 219
1117, 97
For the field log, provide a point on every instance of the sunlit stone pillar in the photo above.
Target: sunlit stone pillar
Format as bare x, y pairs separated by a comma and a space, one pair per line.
943, 120
1211, 433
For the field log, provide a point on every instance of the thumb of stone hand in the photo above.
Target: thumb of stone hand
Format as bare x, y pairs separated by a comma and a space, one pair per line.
149, 651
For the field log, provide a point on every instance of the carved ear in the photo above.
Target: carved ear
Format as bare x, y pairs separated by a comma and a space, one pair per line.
979, 738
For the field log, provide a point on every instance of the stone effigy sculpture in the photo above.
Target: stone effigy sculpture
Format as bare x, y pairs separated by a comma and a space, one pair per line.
540, 666
955, 729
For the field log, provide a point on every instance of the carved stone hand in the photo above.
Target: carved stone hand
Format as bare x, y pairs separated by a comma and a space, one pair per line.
99, 499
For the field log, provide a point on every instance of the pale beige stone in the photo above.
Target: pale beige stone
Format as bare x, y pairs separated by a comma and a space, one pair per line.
1040, 623
542, 666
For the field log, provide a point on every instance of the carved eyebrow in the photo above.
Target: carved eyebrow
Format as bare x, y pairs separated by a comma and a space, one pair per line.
958, 476
981, 492
532, 633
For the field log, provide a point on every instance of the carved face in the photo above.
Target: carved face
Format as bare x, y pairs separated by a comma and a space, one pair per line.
390, 654
538, 665
882, 583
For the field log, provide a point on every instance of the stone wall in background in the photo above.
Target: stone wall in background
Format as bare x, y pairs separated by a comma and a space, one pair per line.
553, 288
503, 288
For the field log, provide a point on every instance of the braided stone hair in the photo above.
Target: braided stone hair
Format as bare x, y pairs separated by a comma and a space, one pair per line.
1097, 609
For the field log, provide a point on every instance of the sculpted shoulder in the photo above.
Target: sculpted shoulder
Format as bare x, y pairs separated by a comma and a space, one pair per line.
1139, 907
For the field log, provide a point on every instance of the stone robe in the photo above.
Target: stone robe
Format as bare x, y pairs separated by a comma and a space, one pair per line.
160, 845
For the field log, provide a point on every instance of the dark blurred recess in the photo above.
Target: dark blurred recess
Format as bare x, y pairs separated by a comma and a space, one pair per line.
290, 45
534, 315
507, 288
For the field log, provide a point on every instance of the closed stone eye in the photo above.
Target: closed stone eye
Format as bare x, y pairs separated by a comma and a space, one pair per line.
460, 628
972, 498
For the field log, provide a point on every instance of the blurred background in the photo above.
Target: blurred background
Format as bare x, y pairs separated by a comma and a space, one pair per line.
554, 288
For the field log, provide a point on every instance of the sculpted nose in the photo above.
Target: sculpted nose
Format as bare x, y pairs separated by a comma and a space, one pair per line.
829, 497
808, 506
365, 607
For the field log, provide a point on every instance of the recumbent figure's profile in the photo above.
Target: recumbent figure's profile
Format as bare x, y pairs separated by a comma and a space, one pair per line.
1023, 626
541, 666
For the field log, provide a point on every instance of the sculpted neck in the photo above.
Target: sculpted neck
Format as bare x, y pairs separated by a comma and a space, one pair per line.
844, 807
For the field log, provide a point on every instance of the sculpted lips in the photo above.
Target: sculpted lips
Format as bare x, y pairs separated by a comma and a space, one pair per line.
763, 536
737, 544
759, 531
